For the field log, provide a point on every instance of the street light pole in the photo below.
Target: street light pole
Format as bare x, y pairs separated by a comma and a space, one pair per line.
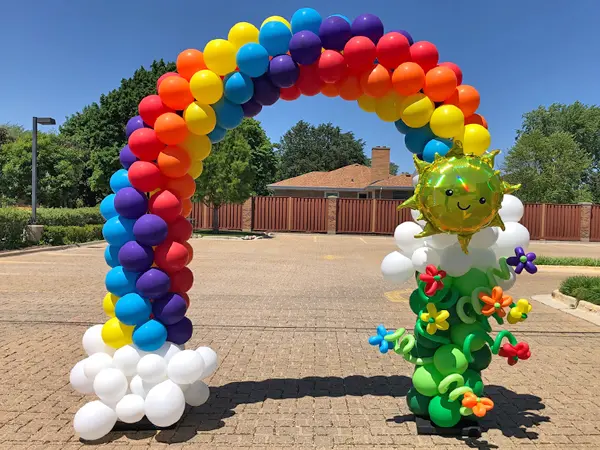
34, 171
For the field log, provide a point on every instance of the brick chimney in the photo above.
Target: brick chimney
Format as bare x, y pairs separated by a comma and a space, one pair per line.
380, 163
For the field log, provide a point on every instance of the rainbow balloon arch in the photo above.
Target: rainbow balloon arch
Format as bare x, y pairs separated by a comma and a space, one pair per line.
137, 363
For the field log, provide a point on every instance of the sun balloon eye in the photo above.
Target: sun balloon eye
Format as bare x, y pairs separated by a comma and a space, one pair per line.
449, 192
482, 200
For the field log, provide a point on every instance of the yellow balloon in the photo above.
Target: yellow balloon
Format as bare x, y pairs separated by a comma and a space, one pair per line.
242, 33
476, 139
196, 169
200, 118
447, 121
108, 304
198, 147
417, 110
367, 103
387, 108
276, 19
219, 56
206, 87
116, 334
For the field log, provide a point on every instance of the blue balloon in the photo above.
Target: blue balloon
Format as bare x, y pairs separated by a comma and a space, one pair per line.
239, 88
306, 19
132, 309
416, 139
402, 127
343, 17
229, 115
275, 38
119, 180
150, 336
118, 230
437, 145
252, 59
111, 255
217, 135
107, 207
120, 282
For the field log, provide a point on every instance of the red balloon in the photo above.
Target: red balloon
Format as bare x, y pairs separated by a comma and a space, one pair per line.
166, 205
424, 54
151, 108
455, 69
180, 230
145, 176
309, 82
144, 144
332, 66
289, 94
182, 280
360, 53
163, 76
185, 297
393, 49
190, 250
171, 256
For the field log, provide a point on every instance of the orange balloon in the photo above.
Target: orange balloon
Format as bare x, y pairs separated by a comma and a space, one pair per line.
174, 162
376, 83
186, 204
189, 62
170, 128
350, 88
330, 90
175, 92
476, 119
440, 83
466, 98
408, 78
190, 250
182, 187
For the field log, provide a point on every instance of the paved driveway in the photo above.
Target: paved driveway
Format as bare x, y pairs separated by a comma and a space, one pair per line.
290, 318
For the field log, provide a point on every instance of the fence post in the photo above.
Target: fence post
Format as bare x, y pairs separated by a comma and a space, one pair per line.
247, 215
543, 223
332, 215
373, 214
289, 215
586, 221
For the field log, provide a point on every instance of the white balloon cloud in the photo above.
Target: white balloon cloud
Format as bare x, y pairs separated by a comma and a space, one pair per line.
397, 268
405, 237
94, 420
164, 404
512, 209
424, 256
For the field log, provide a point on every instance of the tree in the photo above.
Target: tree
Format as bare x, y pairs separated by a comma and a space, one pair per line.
263, 158
10, 133
393, 166
228, 175
308, 148
550, 168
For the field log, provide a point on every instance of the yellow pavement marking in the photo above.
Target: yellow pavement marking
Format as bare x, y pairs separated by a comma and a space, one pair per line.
332, 257
396, 296
314, 239
363, 240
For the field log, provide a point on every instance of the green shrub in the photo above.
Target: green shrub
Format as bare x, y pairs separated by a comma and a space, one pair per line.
58, 235
567, 261
582, 288
12, 225
69, 217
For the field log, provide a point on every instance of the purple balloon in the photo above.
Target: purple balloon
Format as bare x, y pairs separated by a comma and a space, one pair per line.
368, 25
305, 47
131, 203
136, 257
153, 283
181, 332
170, 308
283, 71
126, 157
150, 230
265, 92
406, 34
251, 108
135, 123
334, 33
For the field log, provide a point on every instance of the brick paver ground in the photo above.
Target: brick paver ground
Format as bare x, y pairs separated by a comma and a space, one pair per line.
289, 318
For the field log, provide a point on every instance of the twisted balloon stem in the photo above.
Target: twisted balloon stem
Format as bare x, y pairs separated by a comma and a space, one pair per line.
403, 345
498, 341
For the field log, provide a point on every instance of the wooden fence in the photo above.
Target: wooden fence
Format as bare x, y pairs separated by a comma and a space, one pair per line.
230, 217
595, 224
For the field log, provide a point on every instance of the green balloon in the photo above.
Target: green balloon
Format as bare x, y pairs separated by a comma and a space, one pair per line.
415, 302
417, 403
443, 412
470, 281
473, 380
426, 379
450, 359
459, 333
481, 359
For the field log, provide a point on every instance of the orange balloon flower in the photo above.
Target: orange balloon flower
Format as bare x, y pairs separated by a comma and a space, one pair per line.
496, 303
479, 405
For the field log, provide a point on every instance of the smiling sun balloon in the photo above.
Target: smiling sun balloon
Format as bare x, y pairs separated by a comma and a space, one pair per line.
459, 194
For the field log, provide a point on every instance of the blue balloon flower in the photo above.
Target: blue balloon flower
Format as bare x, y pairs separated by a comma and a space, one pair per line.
379, 340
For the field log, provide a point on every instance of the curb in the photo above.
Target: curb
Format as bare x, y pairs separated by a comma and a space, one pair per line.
571, 302
580, 312
47, 248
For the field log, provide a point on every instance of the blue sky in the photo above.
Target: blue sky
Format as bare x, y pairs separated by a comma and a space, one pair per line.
61, 55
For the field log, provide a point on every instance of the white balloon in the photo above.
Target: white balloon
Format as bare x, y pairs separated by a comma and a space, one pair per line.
197, 393
79, 381
514, 235
126, 359
140, 387
512, 209
424, 256
484, 238
454, 261
415, 179
167, 351
483, 258
152, 368
165, 404
93, 343
185, 367
405, 237
397, 267
507, 284
211, 360
95, 363
94, 420
443, 240
130, 408
110, 385
415, 214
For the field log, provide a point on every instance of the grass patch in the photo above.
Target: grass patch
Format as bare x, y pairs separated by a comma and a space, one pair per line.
582, 288
567, 261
